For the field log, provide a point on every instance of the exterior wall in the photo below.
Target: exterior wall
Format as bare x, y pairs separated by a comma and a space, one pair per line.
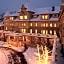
19, 25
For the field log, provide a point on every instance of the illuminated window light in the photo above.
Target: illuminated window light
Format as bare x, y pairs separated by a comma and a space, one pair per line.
30, 24
36, 31
43, 17
51, 25
5, 18
36, 24
24, 30
50, 31
46, 16
24, 24
43, 31
46, 24
30, 30
21, 17
46, 31
55, 25
25, 17
54, 32
6, 28
11, 18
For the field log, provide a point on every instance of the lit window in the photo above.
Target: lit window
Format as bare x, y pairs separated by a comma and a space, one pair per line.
46, 24
55, 32
21, 17
24, 30
46, 31
50, 31
43, 24
43, 17
51, 25
24, 24
46, 16
5, 18
30, 24
55, 25
6, 28
35, 30
43, 31
30, 30
11, 18
36, 24
25, 17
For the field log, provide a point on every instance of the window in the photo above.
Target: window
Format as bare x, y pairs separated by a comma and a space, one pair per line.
11, 18
30, 24
6, 28
50, 31
54, 24
5, 18
30, 30
36, 31
24, 30
21, 17
36, 24
43, 31
50, 24
55, 32
24, 24
46, 24
46, 31
45, 17
25, 17
43, 24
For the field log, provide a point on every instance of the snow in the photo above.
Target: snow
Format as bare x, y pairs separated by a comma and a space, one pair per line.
47, 10
19, 49
7, 13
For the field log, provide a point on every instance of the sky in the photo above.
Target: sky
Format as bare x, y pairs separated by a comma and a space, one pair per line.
15, 5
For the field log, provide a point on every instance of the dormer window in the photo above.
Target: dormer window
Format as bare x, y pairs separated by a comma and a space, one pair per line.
25, 17
45, 17
11, 18
21, 17
5, 18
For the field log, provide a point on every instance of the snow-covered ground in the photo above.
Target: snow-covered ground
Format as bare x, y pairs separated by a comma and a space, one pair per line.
8, 55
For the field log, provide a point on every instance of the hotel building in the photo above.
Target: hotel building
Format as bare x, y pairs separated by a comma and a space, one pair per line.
49, 20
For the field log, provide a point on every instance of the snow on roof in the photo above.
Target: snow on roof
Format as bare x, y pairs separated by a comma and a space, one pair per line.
28, 7
1, 24
47, 10
7, 13
10, 14
14, 14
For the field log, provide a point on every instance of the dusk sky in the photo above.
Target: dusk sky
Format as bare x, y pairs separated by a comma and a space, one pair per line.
15, 5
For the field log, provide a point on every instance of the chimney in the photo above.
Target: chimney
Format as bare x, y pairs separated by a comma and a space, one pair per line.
53, 8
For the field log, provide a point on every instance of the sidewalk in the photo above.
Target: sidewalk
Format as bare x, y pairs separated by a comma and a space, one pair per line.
60, 60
